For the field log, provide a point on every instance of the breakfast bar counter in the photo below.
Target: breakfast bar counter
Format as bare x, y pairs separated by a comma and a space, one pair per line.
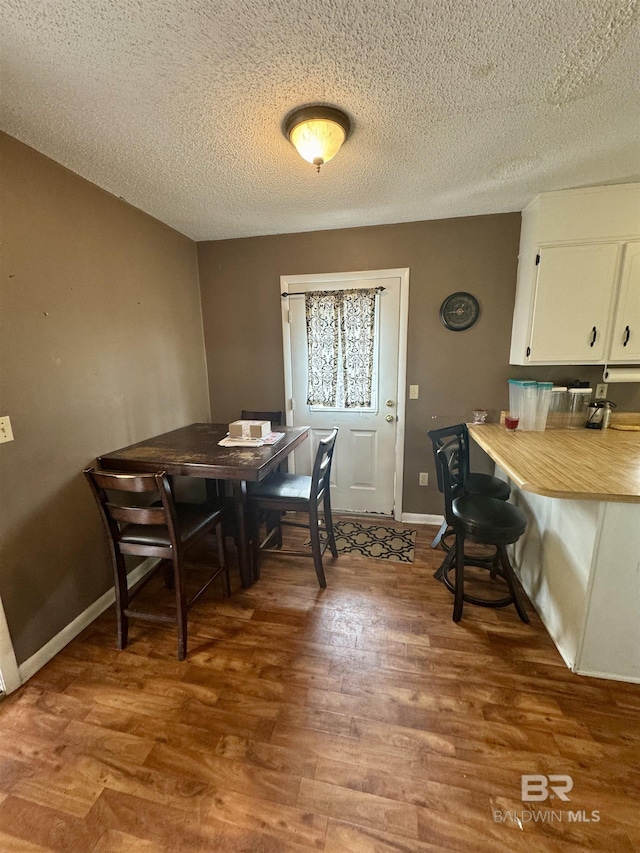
579, 559
585, 464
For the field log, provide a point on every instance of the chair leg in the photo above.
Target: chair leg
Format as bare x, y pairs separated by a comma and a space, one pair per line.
122, 601
459, 585
274, 521
440, 572
495, 565
181, 609
222, 558
315, 546
328, 523
254, 533
439, 534
512, 584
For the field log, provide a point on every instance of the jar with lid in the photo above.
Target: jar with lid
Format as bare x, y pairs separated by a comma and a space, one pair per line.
543, 401
578, 401
558, 408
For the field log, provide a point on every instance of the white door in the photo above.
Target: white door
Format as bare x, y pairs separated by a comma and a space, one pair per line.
367, 464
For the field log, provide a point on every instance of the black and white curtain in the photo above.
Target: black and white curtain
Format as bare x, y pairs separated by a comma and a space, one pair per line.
340, 347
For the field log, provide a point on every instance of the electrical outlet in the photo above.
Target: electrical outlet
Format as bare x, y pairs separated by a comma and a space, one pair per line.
423, 479
601, 390
414, 391
6, 433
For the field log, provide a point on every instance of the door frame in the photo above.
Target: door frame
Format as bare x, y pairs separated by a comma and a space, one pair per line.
290, 283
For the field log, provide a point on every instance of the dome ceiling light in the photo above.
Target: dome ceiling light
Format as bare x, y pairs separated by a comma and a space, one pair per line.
317, 132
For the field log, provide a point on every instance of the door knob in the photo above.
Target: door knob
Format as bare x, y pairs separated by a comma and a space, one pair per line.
390, 403
389, 418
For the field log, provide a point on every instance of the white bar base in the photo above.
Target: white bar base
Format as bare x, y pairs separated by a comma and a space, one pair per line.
579, 563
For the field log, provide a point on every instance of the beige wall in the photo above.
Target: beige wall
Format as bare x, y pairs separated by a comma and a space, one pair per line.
101, 346
456, 372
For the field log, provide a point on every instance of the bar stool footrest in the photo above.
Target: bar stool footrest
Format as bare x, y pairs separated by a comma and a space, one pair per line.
473, 599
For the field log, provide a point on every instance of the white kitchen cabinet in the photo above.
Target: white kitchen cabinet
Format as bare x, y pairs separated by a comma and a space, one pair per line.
625, 341
573, 302
579, 278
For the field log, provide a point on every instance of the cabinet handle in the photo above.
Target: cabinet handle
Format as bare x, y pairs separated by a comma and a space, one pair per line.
594, 335
627, 335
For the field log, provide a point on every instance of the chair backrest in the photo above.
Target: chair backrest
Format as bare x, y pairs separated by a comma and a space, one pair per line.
117, 515
450, 471
276, 418
458, 435
320, 478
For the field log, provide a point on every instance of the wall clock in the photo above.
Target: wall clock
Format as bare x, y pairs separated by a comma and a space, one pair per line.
459, 311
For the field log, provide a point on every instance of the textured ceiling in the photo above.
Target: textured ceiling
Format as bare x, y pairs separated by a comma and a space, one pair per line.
458, 106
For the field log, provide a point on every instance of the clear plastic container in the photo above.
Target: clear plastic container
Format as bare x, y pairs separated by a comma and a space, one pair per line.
522, 401
543, 400
529, 405
515, 396
558, 415
579, 400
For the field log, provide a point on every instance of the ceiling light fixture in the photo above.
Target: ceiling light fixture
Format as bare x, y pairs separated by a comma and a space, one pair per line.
317, 132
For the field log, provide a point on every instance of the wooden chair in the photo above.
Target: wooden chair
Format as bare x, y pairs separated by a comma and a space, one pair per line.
474, 484
296, 493
481, 519
160, 528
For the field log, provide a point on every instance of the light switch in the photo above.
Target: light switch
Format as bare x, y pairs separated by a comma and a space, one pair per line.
414, 391
6, 433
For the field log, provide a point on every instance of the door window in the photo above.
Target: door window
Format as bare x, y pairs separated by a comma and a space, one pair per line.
342, 355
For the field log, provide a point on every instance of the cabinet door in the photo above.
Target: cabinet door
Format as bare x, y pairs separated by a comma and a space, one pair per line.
625, 342
572, 307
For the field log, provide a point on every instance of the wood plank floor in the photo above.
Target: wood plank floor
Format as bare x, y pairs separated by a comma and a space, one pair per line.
358, 718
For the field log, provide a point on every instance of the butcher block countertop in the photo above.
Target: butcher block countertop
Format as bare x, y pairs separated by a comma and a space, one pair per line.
582, 464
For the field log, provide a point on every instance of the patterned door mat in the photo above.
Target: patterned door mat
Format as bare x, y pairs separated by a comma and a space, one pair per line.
375, 540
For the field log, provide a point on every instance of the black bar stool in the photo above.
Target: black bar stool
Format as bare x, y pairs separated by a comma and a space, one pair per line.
474, 483
480, 519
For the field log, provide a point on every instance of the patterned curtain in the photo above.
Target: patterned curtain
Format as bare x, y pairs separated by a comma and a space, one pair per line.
322, 312
340, 347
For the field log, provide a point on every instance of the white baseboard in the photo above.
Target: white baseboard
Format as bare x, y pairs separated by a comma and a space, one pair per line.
420, 518
71, 631
632, 679
9, 675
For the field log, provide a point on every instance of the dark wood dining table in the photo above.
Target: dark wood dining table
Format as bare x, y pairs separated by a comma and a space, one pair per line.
193, 451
